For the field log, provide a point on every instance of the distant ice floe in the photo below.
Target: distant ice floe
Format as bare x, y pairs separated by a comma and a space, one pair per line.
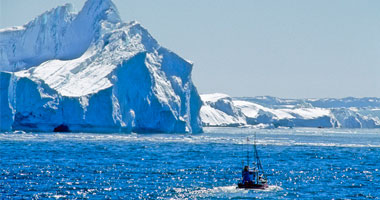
221, 110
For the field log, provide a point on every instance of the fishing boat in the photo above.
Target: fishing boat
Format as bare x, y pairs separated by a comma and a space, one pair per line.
254, 177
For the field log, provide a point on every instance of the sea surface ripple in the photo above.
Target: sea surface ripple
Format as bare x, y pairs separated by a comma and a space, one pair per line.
299, 163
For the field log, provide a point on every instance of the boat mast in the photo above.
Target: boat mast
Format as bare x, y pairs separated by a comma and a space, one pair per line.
258, 162
247, 152
257, 169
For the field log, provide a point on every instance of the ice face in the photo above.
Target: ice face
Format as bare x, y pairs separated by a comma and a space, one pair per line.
92, 72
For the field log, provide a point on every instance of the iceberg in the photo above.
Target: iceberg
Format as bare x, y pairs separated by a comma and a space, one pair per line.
91, 72
218, 110
271, 112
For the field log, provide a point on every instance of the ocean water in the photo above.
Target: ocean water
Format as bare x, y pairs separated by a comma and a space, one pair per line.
299, 163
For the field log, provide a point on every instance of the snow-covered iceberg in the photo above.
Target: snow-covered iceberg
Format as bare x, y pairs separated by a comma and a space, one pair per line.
272, 112
218, 110
89, 71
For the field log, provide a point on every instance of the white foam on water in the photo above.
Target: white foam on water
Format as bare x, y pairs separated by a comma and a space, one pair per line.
232, 192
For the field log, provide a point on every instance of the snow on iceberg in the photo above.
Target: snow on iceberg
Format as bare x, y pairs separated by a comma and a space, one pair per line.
92, 72
219, 110
275, 112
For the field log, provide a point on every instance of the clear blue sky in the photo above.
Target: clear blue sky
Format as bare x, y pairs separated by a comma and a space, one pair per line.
247, 48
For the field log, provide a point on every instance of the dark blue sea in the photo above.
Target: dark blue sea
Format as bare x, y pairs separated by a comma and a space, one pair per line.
299, 163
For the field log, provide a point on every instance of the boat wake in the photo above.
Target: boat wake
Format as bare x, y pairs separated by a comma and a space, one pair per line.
233, 192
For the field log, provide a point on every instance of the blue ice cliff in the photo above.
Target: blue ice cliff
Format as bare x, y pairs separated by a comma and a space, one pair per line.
90, 71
